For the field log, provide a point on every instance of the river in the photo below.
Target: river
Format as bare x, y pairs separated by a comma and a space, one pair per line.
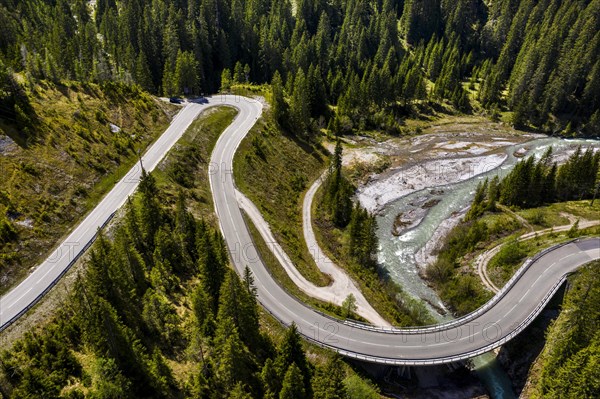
398, 254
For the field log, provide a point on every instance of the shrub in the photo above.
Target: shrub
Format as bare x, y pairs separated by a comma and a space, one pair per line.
511, 254
7, 230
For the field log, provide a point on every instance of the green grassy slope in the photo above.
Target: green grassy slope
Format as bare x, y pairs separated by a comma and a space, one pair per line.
187, 355
568, 365
69, 160
455, 276
274, 169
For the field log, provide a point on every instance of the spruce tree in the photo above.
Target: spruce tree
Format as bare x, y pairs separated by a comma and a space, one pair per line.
328, 382
203, 314
226, 80
237, 302
238, 73
150, 211
270, 379
278, 104
132, 225
212, 269
300, 104
130, 263
238, 392
186, 73
291, 352
292, 386
142, 75
232, 361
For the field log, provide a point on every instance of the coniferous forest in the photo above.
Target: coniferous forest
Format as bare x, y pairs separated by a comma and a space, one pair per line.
535, 182
158, 300
158, 291
376, 60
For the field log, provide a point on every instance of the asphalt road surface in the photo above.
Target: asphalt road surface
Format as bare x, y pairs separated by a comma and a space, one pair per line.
499, 321
17, 301
479, 333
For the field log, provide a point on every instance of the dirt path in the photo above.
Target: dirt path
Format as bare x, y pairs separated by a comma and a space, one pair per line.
482, 262
341, 286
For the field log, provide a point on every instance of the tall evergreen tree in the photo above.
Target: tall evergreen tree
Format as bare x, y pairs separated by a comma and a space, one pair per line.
300, 104
328, 382
291, 352
186, 73
292, 386
278, 104
237, 302
211, 267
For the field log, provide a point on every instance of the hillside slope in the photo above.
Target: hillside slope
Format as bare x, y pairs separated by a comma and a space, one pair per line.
61, 156
568, 365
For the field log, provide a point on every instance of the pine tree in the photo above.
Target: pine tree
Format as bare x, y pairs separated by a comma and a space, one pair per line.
516, 185
171, 36
226, 80
412, 85
134, 230
238, 392
478, 205
338, 190
493, 194
168, 249
160, 317
162, 377
300, 104
318, 100
421, 19
270, 379
162, 277
291, 352
279, 106
249, 282
232, 360
292, 387
202, 308
363, 238
169, 82
238, 73
349, 306
341, 203
102, 7
549, 185
131, 261
212, 269
323, 40
247, 70
186, 73
109, 381
328, 382
237, 302
98, 265
142, 75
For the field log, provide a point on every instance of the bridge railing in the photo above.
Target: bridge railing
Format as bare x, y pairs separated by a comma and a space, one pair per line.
434, 361
434, 328
470, 316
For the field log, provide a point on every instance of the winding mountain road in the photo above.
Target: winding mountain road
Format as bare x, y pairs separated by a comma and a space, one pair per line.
501, 319
508, 313
25, 295
484, 259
